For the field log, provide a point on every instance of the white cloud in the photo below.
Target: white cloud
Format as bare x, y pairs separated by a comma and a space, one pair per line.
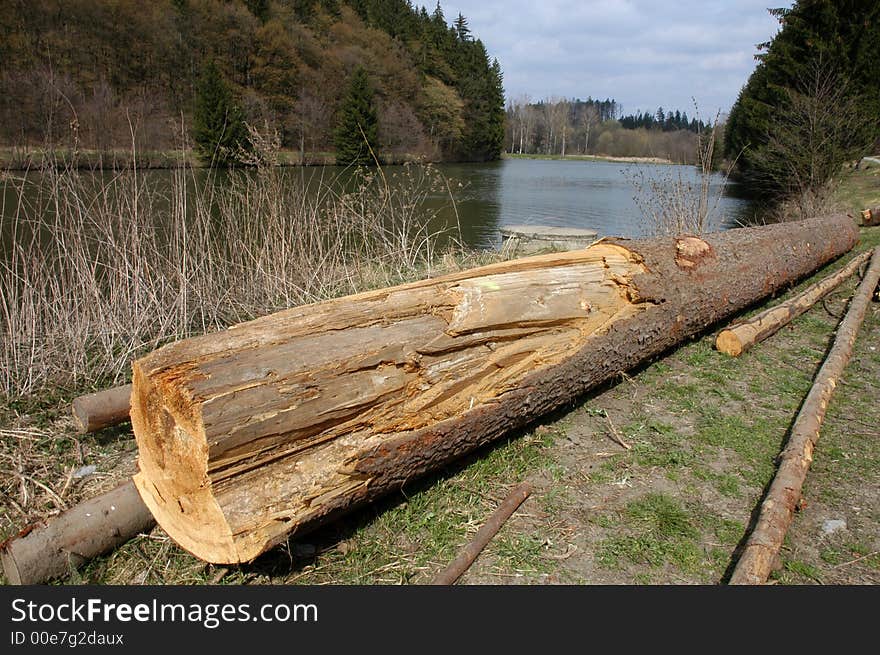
641, 53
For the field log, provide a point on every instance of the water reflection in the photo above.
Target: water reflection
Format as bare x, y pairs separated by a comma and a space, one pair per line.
585, 194
570, 193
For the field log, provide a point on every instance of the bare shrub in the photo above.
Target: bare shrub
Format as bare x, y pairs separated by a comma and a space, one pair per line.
809, 138
96, 269
674, 202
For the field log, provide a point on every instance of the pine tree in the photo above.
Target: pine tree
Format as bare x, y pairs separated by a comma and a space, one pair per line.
357, 123
218, 124
822, 61
838, 37
462, 31
481, 88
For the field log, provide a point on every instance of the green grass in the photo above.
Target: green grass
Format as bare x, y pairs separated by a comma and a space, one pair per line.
426, 530
804, 570
857, 190
660, 532
521, 553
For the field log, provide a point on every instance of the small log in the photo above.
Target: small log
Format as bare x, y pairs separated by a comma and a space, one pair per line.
871, 217
484, 535
777, 510
252, 434
96, 411
49, 550
742, 335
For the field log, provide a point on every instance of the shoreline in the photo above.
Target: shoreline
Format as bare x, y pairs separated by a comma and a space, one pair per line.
605, 158
21, 159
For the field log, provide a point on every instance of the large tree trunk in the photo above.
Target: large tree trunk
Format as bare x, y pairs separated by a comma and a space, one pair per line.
279, 424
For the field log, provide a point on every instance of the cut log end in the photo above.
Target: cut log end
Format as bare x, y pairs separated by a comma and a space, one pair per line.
729, 343
172, 481
233, 460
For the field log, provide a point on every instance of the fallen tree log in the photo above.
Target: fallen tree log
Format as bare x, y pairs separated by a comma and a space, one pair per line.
742, 335
100, 410
484, 535
268, 429
52, 549
777, 510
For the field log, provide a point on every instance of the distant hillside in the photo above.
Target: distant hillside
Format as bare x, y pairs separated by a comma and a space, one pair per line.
92, 73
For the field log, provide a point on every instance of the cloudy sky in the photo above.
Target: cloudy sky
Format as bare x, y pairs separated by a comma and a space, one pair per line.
642, 53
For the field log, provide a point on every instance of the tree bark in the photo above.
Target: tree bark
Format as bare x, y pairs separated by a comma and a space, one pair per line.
777, 510
742, 335
50, 550
96, 411
274, 426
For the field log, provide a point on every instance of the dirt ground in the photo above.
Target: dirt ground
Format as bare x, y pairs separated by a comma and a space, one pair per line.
701, 432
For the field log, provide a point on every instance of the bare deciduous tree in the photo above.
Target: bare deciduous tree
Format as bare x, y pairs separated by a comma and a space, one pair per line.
589, 118
809, 138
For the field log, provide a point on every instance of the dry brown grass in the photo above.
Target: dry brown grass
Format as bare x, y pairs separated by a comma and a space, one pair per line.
98, 268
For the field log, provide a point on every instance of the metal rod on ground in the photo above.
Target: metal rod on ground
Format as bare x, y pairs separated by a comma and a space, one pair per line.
484, 535
93, 527
782, 499
742, 335
96, 411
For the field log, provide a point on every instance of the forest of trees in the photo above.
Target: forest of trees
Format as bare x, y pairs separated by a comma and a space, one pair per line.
811, 103
97, 74
663, 120
560, 126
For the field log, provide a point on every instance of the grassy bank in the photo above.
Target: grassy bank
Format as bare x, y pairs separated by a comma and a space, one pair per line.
704, 432
858, 189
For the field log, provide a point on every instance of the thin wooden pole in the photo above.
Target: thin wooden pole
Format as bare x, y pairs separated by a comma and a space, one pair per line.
782, 499
742, 335
93, 527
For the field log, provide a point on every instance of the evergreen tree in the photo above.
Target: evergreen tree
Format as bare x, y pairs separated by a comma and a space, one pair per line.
817, 39
218, 124
481, 87
357, 123
304, 10
462, 31
331, 7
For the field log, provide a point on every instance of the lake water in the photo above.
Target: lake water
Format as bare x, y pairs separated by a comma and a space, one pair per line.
575, 193
567, 193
